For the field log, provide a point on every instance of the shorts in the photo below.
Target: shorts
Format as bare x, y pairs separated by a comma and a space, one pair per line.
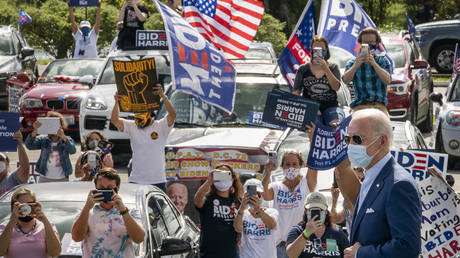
329, 115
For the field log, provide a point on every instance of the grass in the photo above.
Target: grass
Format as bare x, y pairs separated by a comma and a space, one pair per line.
441, 79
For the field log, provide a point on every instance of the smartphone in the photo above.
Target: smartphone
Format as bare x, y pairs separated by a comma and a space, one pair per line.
364, 49
92, 160
317, 52
107, 194
315, 212
272, 157
252, 190
222, 176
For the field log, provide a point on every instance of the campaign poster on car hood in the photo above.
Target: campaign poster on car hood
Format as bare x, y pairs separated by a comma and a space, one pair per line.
135, 81
440, 233
417, 162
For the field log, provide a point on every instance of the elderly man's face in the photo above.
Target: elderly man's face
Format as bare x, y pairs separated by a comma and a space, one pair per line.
362, 127
179, 196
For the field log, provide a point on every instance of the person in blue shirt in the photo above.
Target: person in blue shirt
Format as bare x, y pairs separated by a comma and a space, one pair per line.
370, 73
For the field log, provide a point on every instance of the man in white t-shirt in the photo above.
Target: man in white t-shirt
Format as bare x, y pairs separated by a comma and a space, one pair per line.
107, 228
148, 139
257, 224
85, 38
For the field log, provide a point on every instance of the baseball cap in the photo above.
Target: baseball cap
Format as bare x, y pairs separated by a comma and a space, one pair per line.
84, 24
255, 182
316, 200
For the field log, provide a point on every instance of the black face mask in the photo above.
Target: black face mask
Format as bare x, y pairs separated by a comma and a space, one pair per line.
25, 218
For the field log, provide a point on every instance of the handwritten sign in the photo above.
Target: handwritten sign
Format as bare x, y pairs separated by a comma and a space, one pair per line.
14, 95
135, 81
328, 147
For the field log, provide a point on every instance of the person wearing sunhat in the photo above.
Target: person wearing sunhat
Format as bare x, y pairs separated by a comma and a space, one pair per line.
316, 235
256, 223
85, 37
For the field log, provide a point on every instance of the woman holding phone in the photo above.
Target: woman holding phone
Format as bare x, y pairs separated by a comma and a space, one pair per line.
54, 161
315, 235
28, 232
320, 81
218, 201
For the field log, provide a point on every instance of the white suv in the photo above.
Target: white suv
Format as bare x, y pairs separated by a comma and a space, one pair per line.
96, 107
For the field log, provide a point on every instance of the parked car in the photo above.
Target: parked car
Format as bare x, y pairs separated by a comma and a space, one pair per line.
437, 42
15, 57
168, 232
411, 85
61, 87
448, 131
407, 136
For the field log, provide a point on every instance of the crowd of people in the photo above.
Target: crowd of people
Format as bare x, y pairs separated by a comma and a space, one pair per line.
286, 218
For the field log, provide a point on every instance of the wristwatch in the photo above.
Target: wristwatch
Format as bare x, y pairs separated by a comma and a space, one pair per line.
124, 212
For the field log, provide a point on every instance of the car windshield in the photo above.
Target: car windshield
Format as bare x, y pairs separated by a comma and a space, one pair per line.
73, 67
398, 55
456, 91
249, 98
6, 45
339, 56
258, 53
161, 62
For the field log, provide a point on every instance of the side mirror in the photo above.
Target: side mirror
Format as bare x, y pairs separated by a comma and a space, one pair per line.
27, 51
87, 80
174, 246
420, 63
436, 97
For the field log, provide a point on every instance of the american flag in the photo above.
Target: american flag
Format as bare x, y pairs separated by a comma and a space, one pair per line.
456, 68
24, 18
230, 25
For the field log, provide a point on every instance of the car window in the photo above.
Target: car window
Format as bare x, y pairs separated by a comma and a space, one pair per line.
396, 52
73, 67
6, 44
339, 57
161, 62
258, 53
162, 217
420, 141
411, 53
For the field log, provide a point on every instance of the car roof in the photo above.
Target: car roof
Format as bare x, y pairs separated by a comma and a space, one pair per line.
77, 191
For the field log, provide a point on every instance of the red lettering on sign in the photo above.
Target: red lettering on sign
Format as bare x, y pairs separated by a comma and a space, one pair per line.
194, 56
284, 114
181, 51
457, 229
454, 245
204, 60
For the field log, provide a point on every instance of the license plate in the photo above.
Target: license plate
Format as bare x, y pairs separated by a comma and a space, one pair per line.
70, 119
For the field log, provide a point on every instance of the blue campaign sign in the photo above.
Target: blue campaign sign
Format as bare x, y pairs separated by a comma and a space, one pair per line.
151, 39
288, 110
197, 67
83, 3
328, 147
9, 124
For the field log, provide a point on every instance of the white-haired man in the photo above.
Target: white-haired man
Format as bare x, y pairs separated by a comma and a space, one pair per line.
388, 198
85, 38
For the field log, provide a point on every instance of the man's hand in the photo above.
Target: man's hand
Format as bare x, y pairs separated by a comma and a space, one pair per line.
335, 193
18, 137
269, 167
370, 60
322, 63
350, 252
92, 199
118, 202
245, 202
360, 59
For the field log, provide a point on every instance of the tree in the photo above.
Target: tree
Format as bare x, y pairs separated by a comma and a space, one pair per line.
271, 30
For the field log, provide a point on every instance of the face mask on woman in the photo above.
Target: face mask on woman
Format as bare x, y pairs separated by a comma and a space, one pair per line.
93, 144
223, 186
25, 218
291, 173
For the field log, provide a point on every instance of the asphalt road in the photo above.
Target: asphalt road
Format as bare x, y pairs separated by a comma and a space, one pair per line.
121, 168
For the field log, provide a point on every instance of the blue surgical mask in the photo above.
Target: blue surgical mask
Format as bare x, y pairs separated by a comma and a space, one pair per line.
357, 154
85, 31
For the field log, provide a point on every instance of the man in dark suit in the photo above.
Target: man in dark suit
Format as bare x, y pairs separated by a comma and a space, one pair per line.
387, 215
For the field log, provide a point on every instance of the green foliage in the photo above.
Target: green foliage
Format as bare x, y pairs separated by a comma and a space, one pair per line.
271, 30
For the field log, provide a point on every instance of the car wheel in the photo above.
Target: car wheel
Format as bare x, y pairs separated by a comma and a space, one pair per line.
427, 125
442, 58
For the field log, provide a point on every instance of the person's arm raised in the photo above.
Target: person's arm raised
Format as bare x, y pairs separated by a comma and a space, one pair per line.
115, 118
201, 192
268, 193
72, 19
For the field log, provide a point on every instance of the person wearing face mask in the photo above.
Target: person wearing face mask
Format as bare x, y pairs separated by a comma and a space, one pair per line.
91, 163
54, 161
288, 195
28, 232
95, 141
370, 72
316, 236
388, 198
256, 223
217, 202
107, 228
148, 138
21, 174
85, 38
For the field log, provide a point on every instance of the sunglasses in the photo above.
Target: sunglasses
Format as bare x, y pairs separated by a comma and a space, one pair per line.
356, 138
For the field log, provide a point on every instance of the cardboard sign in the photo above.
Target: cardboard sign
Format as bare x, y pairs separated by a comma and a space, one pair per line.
83, 3
135, 81
288, 110
14, 95
50, 125
151, 39
440, 233
70, 247
328, 147
9, 124
417, 162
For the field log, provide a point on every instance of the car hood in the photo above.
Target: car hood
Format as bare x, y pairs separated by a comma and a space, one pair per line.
5, 62
437, 24
57, 90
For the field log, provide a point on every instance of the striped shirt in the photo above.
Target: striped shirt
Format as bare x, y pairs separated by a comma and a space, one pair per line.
367, 84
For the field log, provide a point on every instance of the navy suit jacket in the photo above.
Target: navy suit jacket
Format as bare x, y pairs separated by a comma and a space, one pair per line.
388, 222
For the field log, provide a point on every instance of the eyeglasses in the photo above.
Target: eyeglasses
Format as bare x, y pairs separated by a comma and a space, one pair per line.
356, 138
